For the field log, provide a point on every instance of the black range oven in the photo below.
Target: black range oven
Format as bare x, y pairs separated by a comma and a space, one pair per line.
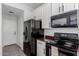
67, 44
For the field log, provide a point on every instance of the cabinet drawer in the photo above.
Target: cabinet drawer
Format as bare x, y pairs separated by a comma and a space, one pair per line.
54, 51
41, 48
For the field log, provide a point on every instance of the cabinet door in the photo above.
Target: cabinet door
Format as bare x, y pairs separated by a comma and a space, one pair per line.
56, 8
46, 15
54, 51
37, 13
78, 51
41, 48
69, 6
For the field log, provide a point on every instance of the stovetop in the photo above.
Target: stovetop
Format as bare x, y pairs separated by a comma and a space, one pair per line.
67, 41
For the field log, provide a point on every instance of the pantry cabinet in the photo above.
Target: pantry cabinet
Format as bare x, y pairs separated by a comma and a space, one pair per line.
46, 15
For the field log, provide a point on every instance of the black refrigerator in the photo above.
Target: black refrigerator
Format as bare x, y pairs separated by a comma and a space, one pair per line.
31, 28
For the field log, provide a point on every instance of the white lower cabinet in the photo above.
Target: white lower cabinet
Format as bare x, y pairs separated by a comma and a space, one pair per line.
41, 48
78, 52
54, 51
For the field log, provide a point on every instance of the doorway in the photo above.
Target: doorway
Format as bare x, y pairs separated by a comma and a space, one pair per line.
9, 29
12, 31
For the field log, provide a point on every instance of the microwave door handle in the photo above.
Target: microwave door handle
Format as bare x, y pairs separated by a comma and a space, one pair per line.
59, 9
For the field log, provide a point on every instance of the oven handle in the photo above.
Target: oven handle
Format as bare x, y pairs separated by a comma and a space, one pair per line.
64, 50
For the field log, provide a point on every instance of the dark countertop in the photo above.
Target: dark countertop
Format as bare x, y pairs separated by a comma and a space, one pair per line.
41, 39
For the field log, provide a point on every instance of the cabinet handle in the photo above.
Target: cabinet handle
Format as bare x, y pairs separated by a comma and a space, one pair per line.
74, 5
59, 9
39, 43
62, 7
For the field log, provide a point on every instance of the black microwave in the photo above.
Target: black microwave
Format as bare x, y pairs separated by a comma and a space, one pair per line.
68, 19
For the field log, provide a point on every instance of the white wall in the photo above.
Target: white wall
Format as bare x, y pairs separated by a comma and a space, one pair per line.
51, 31
9, 26
0, 29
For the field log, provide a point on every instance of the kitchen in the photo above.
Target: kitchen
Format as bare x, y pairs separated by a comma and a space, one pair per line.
50, 25
56, 19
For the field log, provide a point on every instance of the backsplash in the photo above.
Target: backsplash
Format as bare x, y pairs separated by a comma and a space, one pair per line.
51, 31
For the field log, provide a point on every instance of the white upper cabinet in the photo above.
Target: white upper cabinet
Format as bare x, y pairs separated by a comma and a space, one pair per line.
55, 8
46, 15
69, 7
43, 12
38, 13
58, 8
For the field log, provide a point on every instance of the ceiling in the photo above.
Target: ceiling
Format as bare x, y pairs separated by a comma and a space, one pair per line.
11, 10
14, 11
34, 5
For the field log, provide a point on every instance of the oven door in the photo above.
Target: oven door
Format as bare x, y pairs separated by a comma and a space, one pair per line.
64, 52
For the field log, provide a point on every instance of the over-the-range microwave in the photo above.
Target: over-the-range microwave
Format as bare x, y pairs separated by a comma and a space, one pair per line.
68, 19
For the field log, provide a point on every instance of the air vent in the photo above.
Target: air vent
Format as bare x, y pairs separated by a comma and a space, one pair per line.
11, 12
